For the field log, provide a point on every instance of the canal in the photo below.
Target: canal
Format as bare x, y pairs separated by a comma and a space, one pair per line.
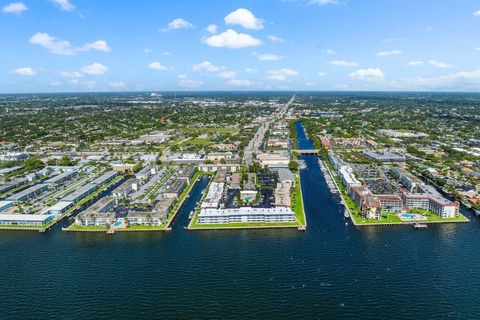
331, 271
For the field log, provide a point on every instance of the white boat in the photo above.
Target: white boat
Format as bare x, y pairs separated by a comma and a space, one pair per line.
420, 226
346, 214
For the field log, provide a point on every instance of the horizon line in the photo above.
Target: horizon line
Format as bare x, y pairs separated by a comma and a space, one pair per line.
237, 91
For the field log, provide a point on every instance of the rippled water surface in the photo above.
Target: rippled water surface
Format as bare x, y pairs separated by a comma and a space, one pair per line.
331, 271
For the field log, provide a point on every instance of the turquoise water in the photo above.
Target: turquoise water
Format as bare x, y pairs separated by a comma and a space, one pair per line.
409, 216
117, 223
330, 271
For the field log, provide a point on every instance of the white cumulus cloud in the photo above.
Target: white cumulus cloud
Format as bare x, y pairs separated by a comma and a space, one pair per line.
369, 73
94, 69
232, 40
206, 66
328, 51
227, 74
100, 45
25, 71
251, 70
269, 57
71, 74
15, 7
64, 5
178, 23
321, 74
388, 53
212, 28
415, 63
239, 83
275, 39
156, 65
245, 18
477, 13
439, 64
64, 47
281, 74
463, 80
324, 2
343, 63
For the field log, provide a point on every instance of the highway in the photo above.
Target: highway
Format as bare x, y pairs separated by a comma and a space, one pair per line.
254, 144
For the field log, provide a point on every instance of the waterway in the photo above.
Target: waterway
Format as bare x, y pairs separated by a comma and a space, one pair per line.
331, 271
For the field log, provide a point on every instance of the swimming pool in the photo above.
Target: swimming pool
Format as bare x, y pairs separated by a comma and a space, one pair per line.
117, 223
408, 216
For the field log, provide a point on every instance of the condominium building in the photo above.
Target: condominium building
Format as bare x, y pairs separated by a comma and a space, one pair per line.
369, 205
245, 215
429, 198
214, 195
385, 156
98, 214
405, 177
25, 219
348, 178
282, 194
176, 188
391, 203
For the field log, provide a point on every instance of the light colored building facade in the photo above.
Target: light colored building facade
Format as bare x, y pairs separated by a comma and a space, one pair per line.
245, 215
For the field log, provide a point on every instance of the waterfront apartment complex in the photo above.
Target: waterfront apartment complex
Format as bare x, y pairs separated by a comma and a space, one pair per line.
245, 215
413, 195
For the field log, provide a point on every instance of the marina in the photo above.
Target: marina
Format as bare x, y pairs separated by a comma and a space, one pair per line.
328, 179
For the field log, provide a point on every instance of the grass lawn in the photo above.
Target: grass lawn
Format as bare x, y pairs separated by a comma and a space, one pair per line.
210, 130
434, 218
297, 202
74, 227
198, 142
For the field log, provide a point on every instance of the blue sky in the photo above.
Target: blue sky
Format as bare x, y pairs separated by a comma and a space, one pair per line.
107, 45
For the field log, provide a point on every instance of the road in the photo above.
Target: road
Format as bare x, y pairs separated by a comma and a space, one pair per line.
254, 144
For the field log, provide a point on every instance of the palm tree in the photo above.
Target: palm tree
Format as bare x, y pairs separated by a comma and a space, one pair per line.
149, 218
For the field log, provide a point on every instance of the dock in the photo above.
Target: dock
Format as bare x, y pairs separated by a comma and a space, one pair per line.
328, 178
